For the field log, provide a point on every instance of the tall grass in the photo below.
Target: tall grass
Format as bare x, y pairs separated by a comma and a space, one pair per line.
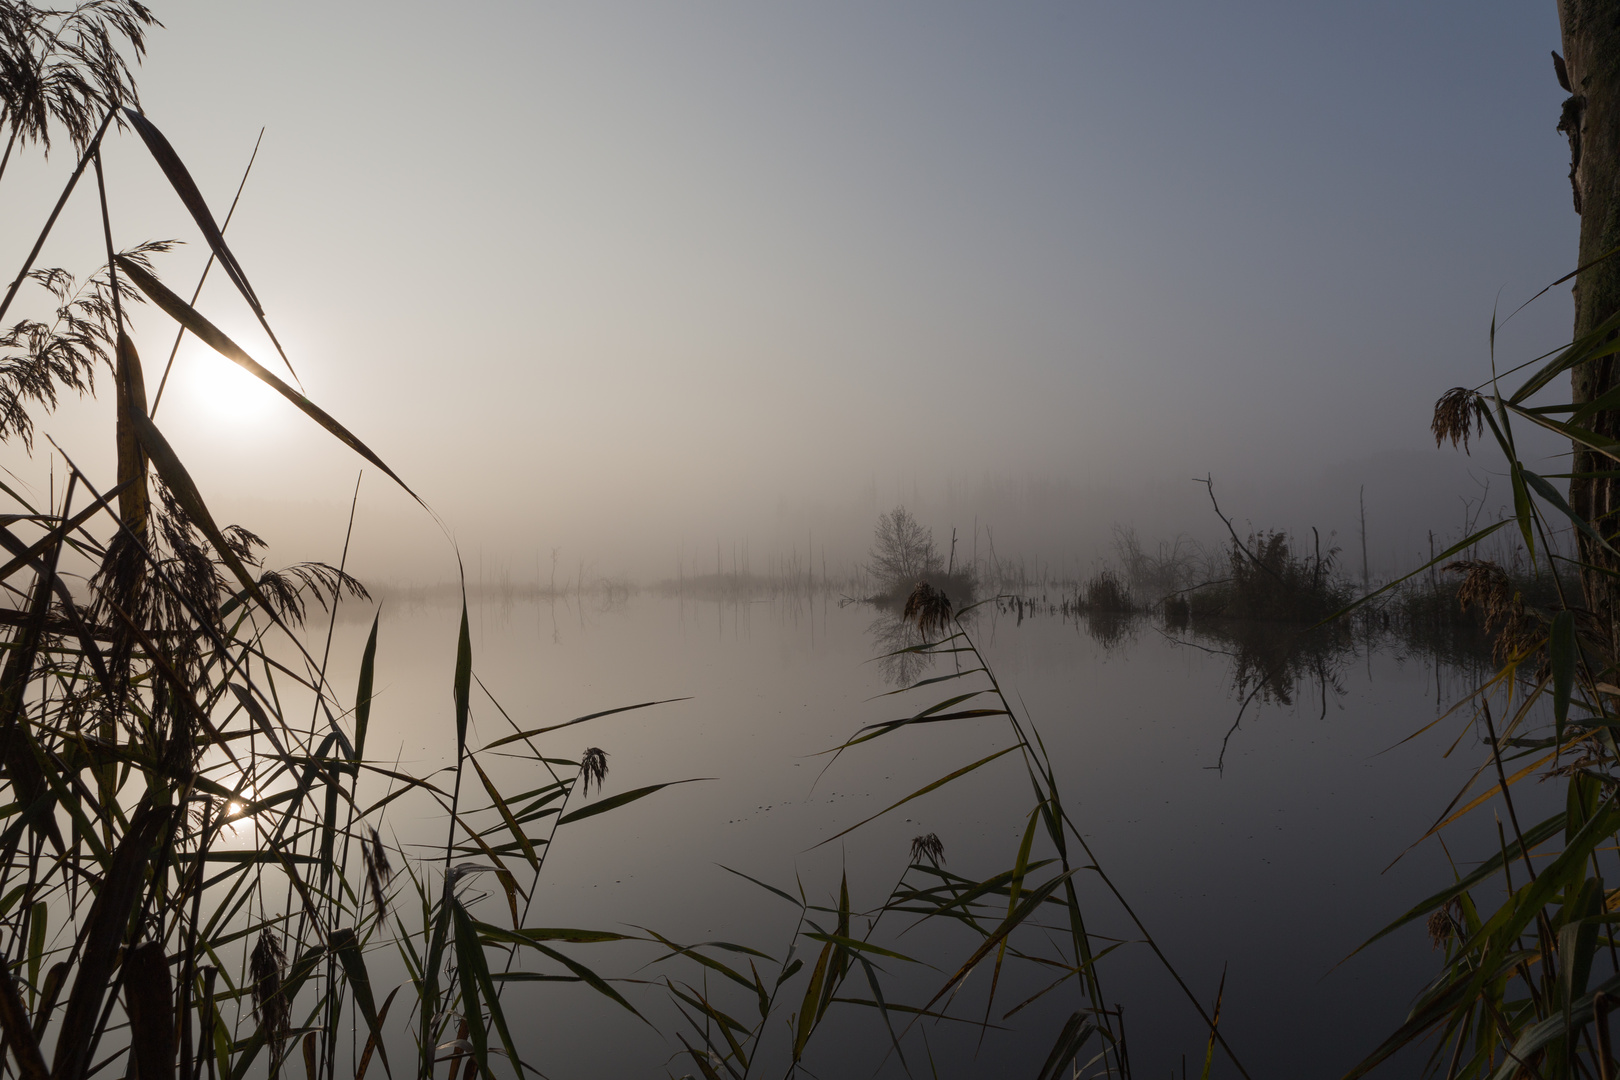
1530, 966
1027, 914
196, 871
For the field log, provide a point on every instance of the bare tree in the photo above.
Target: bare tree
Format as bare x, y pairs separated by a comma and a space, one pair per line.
903, 550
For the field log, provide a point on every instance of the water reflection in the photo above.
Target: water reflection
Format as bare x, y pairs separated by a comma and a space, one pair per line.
1269, 662
897, 644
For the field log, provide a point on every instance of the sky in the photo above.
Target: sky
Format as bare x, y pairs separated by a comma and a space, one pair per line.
633, 281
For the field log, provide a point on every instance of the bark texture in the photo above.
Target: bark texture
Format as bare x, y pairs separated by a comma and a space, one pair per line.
1591, 120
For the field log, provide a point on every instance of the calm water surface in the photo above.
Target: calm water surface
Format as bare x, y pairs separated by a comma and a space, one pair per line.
1271, 867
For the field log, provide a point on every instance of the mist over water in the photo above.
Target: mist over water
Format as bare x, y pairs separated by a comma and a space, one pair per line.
647, 281
666, 313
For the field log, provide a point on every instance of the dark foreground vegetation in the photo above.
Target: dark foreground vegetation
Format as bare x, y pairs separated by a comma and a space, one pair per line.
197, 870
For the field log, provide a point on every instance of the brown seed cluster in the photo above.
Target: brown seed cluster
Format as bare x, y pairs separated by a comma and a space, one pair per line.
268, 968
1444, 924
929, 608
378, 869
1457, 417
1487, 586
928, 846
593, 766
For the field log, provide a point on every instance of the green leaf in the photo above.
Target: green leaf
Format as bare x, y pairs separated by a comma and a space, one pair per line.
1522, 510
180, 179
463, 683
812, 998
925, 789
36, 944
1461, 545
1029, 905
1550, 493
795, 901
1602, 444
347, 946
1561, 646
469, 960
362, 694
617, 801
1534, 837
563, 933
1582, 349
506, 815
590, 978
184, 186
1076, 1031
858, 945
519, 736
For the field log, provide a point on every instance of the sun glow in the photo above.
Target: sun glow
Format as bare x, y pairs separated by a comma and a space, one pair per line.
237, 826
219, 389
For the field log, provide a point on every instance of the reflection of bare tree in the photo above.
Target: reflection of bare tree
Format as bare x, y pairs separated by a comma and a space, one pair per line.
1277, 661
1277, 664
893, 635
1110, 629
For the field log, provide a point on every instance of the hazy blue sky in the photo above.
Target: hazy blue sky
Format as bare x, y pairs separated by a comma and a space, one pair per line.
617, 276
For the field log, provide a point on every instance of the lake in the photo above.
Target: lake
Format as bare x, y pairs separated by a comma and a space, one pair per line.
1264, 852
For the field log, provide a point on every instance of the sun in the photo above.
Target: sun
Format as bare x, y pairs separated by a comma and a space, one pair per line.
222, 391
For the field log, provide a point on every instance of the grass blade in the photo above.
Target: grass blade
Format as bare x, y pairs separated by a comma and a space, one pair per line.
211, 335
941, 782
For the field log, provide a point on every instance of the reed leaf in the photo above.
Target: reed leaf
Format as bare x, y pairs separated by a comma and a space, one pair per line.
615, 801
20, 1037
362, 693
512, 825
463, 679
583, 973
809, 1013
925, 789
374, 1040
1076, 1030
1593, 345
346, 946
532, 733
1025, 908
149, 999
1561, 651
216, 339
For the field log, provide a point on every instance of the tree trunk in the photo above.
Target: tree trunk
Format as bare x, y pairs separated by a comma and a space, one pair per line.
1591, 119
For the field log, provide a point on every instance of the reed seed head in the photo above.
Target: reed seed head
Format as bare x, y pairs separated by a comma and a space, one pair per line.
380, 854
593, 766
1443, 924
929, 608
928, 846
267, 966
1487, 586
378, 870
1457, 415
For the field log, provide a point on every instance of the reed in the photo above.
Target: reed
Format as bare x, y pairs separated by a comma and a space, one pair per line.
1530, 965
197, 876
1027, 913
